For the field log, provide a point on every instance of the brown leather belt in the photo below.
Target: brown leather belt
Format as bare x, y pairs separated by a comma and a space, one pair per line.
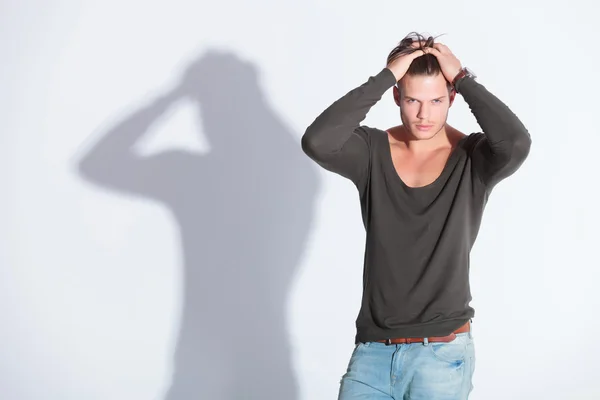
465, 328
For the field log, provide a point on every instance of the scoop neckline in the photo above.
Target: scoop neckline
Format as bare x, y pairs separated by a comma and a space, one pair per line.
447, 165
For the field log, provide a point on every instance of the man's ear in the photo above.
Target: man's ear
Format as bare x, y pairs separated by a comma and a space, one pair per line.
452, 96
397, 95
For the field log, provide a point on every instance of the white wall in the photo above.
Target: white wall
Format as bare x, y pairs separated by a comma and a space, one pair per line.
226, 264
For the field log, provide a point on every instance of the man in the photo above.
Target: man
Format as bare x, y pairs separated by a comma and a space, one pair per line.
423, 186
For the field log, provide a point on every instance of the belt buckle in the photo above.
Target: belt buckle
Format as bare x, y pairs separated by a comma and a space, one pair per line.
388, 342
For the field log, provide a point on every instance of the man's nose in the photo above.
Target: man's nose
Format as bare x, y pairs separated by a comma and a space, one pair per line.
423, 112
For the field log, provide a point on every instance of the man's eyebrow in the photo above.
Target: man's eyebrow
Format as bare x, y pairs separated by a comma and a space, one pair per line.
412, 98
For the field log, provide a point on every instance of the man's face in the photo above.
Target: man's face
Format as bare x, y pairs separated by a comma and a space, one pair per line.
423, 100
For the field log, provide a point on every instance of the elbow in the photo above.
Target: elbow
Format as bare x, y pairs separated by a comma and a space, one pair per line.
522, 146
306, 143
512, 150
310, 143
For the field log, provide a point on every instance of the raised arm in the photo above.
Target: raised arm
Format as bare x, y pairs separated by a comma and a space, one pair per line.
506, 142
336, 140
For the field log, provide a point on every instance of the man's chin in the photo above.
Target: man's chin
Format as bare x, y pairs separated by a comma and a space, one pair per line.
423, 135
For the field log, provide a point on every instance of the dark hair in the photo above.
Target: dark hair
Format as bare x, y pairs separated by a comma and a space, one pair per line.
427, 64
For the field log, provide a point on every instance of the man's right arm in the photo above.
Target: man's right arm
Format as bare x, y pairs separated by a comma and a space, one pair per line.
336, 141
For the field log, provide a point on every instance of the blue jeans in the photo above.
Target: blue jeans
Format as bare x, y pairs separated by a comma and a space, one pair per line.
430, 370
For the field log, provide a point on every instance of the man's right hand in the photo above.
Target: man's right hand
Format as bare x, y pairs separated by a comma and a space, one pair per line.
400, 65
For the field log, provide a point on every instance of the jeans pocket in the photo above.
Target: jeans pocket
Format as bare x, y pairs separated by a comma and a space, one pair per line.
357, 348
450, 352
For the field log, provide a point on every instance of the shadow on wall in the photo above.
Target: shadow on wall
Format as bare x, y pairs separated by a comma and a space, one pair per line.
244, 210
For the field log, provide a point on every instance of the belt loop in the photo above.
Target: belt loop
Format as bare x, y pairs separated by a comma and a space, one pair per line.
471, 330
425, 341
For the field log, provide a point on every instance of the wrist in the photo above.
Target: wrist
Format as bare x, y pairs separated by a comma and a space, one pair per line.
394, 73
462, 74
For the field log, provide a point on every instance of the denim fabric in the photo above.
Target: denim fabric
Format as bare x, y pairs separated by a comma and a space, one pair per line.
417, 371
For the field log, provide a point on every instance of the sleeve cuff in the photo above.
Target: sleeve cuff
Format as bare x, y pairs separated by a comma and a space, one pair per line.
387, 77
465, 82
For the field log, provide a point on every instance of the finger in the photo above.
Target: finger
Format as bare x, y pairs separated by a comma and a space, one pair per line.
438, 46
411, 56
417, 53
442, 48
415, 45
434, 51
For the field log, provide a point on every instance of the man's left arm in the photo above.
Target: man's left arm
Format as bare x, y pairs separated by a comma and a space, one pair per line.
506, 142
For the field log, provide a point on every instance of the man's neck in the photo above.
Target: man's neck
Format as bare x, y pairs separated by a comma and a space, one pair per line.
445, 138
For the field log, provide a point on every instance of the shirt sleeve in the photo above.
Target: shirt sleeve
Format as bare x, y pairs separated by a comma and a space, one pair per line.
336, 140
505, 143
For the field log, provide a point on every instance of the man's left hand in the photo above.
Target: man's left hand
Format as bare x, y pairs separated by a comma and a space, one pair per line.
449, 64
